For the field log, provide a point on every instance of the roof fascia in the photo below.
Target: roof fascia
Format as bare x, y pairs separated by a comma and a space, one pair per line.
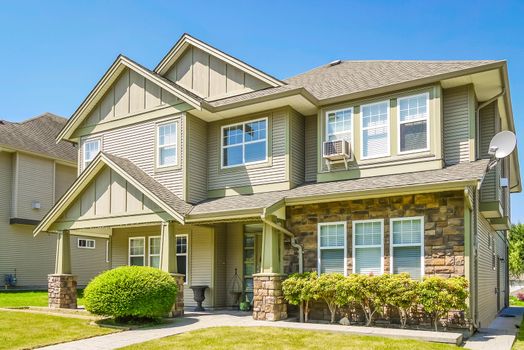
6, 148
187, 39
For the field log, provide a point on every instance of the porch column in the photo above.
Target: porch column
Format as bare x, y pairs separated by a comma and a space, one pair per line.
268, 299
62, 284
168, 264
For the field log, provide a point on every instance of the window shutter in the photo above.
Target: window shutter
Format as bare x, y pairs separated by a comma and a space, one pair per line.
407, 259
368, 260
332, 260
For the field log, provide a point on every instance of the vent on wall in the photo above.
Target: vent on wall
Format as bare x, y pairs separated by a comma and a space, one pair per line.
334, 63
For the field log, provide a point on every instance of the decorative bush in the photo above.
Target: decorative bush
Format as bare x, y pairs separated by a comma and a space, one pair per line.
131, 292
326, 288
520, 296
401, 292
299, 289
440, 295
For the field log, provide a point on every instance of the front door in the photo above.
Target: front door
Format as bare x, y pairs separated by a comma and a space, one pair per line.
252, 256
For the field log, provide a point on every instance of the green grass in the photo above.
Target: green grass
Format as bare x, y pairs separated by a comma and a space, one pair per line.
514, 301
23, 330
519, 342
253, 338
20, 299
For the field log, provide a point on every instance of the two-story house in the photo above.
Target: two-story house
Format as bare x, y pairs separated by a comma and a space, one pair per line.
208, 167
34, 172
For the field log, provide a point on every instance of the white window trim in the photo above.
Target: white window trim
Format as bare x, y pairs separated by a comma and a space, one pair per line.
158, 146
84, 160
352, 124
243, 144
186, 254
362, 129
129, 256
391, 245
86, 247
319, 248
427, 119
149, 255
107, 251
355, 222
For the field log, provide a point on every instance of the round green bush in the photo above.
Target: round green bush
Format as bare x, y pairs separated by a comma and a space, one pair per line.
131, 292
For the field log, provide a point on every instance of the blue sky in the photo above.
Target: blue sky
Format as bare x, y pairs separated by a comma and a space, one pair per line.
53, 52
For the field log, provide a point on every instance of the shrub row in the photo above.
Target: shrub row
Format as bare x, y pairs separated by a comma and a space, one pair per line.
435, 295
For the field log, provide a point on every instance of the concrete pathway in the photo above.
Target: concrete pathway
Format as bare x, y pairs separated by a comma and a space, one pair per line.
194, 321
500, 334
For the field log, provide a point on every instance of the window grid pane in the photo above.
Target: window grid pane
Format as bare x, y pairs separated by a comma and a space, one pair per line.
339, 125
407, 231
332, 236
368, 233
244, 143
375, 129
407, 236
413, 119
167, 144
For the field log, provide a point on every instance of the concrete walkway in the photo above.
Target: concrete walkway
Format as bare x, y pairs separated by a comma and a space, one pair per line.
194, 321
500, 334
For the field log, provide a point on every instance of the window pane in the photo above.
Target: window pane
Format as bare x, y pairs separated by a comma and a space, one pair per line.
136, 261
182, 266
407, 259
233, 156
154, 245
255, 152
255, 131
154, 261
339, 125
375, 142
368, 260
332, 260
368, 233
167, 134
136, 247
332, 235
414, 107
91, 149
167, 155
181, 245
232, 135
375, 115
407, 231
413, 136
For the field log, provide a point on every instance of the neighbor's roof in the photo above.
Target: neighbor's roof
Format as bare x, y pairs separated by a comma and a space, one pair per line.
37, 135
351, 77
460, 173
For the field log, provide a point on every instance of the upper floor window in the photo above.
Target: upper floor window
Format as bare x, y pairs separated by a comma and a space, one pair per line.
340, 125
91, 149
167, 144
332, 247
407, 251
368, 246
244, 143
375, 130
413, 123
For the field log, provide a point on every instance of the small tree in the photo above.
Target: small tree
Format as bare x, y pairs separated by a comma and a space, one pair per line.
439, 295
401, 292
516, 251
325, 288
369, 292
298, 289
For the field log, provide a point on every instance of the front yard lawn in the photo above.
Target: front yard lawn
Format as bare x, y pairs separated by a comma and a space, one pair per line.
23, 330
279, 338
23, 298
514, 301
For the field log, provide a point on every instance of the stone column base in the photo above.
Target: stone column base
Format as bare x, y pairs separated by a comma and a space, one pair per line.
61, 291
268, 299
178, 307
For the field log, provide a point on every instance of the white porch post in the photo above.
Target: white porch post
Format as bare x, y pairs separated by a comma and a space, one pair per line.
168, 263
62, 284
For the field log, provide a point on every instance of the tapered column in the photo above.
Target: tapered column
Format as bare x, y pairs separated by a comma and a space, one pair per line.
62, 284
63, 253
168, 263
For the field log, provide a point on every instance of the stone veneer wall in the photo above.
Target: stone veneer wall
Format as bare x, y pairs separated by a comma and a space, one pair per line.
62, 291
268, 299
178, 307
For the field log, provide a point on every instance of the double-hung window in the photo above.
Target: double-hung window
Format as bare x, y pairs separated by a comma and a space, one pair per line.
154, 251
339, 125
167, 144
181, 255
332, 247
86, 243
407, 249
375, 130
244, 143
137, 251
413, 123
368, 247
91, 149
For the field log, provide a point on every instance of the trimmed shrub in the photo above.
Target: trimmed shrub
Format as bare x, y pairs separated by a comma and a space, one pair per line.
298, 289
401, 292
131, 292
326, 288
439, 295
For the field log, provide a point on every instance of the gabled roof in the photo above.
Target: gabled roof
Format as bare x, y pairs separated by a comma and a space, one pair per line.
37, 135
187, 40
160, 195
107, 80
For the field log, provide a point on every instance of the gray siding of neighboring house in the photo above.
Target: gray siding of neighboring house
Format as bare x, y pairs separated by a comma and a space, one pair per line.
259, 174
196, 159
297, 148
456, 104
311, 154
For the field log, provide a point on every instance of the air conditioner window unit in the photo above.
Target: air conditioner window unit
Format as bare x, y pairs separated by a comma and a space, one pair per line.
336, 150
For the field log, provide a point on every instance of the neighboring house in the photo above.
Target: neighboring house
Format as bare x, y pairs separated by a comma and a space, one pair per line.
34, 172
206, 166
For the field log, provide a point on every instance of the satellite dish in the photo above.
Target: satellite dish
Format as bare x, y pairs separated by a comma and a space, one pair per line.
502, 144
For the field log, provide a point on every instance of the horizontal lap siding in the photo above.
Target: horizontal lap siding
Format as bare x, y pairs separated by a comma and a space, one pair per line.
487, 277
297, 148
242, 176
311, 148
197, 159
501, 249
489, 190
87, 263
456, 125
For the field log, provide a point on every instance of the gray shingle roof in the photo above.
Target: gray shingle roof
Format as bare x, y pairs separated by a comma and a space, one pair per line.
37, 135
351, 77
151, 184
455, 173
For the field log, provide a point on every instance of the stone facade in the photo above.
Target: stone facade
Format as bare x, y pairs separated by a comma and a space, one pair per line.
62, 291
268, 299
178, 307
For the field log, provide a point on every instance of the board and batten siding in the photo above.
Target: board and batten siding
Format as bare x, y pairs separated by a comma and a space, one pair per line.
250, 175
196, 133
209, 76
456, 105
296, 147
130, 93
311, 154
